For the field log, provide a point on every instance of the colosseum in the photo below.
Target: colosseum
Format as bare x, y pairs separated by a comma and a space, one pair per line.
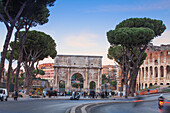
155, 70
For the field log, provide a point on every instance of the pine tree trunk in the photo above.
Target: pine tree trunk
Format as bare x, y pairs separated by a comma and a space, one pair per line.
3, 56
29, 79
133, 85
10, 62
19, 63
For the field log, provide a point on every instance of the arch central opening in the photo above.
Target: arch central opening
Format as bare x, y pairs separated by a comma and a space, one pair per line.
62, 86
77, 82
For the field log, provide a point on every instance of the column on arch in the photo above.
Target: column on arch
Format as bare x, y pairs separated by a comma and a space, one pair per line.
99, 80
68, 81
56, 78
86, 79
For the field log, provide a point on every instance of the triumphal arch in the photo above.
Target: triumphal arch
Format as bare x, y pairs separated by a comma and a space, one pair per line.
90, 67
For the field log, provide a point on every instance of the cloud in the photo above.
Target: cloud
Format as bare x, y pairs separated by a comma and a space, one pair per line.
47, 60
164, 39
81, 40
147, 6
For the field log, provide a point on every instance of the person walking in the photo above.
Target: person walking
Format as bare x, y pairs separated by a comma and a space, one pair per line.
44, 94
15, 95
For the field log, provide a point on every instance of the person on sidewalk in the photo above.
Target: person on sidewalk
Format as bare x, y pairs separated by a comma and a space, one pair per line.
44, 94
15, 95
97, 94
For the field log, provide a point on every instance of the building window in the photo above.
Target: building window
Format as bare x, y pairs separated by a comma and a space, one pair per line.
161, 54
156, 62
151, 56
168, 52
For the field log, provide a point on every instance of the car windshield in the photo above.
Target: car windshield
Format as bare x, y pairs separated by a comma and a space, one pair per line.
1, 91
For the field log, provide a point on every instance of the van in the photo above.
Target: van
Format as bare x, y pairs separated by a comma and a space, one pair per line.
3, 94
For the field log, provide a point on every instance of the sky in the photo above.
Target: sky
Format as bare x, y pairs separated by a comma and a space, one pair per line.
79, 27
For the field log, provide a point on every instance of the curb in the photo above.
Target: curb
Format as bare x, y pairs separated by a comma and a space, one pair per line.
73, 110
83, 109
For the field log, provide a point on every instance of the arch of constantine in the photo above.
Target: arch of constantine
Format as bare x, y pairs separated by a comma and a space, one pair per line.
89, 67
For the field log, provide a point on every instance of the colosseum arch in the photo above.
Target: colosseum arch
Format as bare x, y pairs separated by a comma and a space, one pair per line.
90, 67
151, 72
156, 72
162, 71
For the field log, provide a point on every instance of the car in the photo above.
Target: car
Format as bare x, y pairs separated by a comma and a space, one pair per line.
3, 94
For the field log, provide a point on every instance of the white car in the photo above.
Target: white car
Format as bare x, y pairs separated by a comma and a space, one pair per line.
3, 94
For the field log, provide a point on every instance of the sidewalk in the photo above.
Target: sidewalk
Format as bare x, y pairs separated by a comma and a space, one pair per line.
81, 98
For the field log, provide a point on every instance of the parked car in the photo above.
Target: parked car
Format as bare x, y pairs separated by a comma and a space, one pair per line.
3, 94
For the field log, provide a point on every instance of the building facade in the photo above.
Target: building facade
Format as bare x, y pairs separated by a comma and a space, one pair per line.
111, 71
156, 68
89, 67
49, 72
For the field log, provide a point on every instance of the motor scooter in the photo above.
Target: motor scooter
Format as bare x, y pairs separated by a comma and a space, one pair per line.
160, 102
75, 96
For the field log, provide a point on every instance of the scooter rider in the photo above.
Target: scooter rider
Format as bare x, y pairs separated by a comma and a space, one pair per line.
160, 101
161, 98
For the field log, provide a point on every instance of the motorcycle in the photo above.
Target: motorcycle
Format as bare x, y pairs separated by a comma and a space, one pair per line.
75, 96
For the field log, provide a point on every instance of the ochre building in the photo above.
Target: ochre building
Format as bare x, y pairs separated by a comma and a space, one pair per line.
49, 72
111, 71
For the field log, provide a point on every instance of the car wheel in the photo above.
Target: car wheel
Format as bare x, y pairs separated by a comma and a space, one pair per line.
2, 98
6, 99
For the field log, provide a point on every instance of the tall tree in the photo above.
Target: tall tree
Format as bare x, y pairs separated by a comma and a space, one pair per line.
37, 16
10, 13
135, 34
116, 53
37, 46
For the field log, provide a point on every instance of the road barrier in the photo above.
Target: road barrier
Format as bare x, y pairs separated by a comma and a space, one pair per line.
151, 91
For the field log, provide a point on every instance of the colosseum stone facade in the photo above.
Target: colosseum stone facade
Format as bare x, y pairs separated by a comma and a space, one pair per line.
156, 68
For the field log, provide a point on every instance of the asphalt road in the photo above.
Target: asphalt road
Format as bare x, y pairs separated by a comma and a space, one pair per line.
142, 107
37, 106
63, 106
42, 105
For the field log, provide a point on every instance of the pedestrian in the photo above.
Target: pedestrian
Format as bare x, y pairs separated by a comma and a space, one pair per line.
44, 94
93, 94
97, 94
65, 93
110, 94
15, 95
148, 91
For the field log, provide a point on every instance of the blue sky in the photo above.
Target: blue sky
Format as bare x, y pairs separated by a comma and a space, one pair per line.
79, 26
